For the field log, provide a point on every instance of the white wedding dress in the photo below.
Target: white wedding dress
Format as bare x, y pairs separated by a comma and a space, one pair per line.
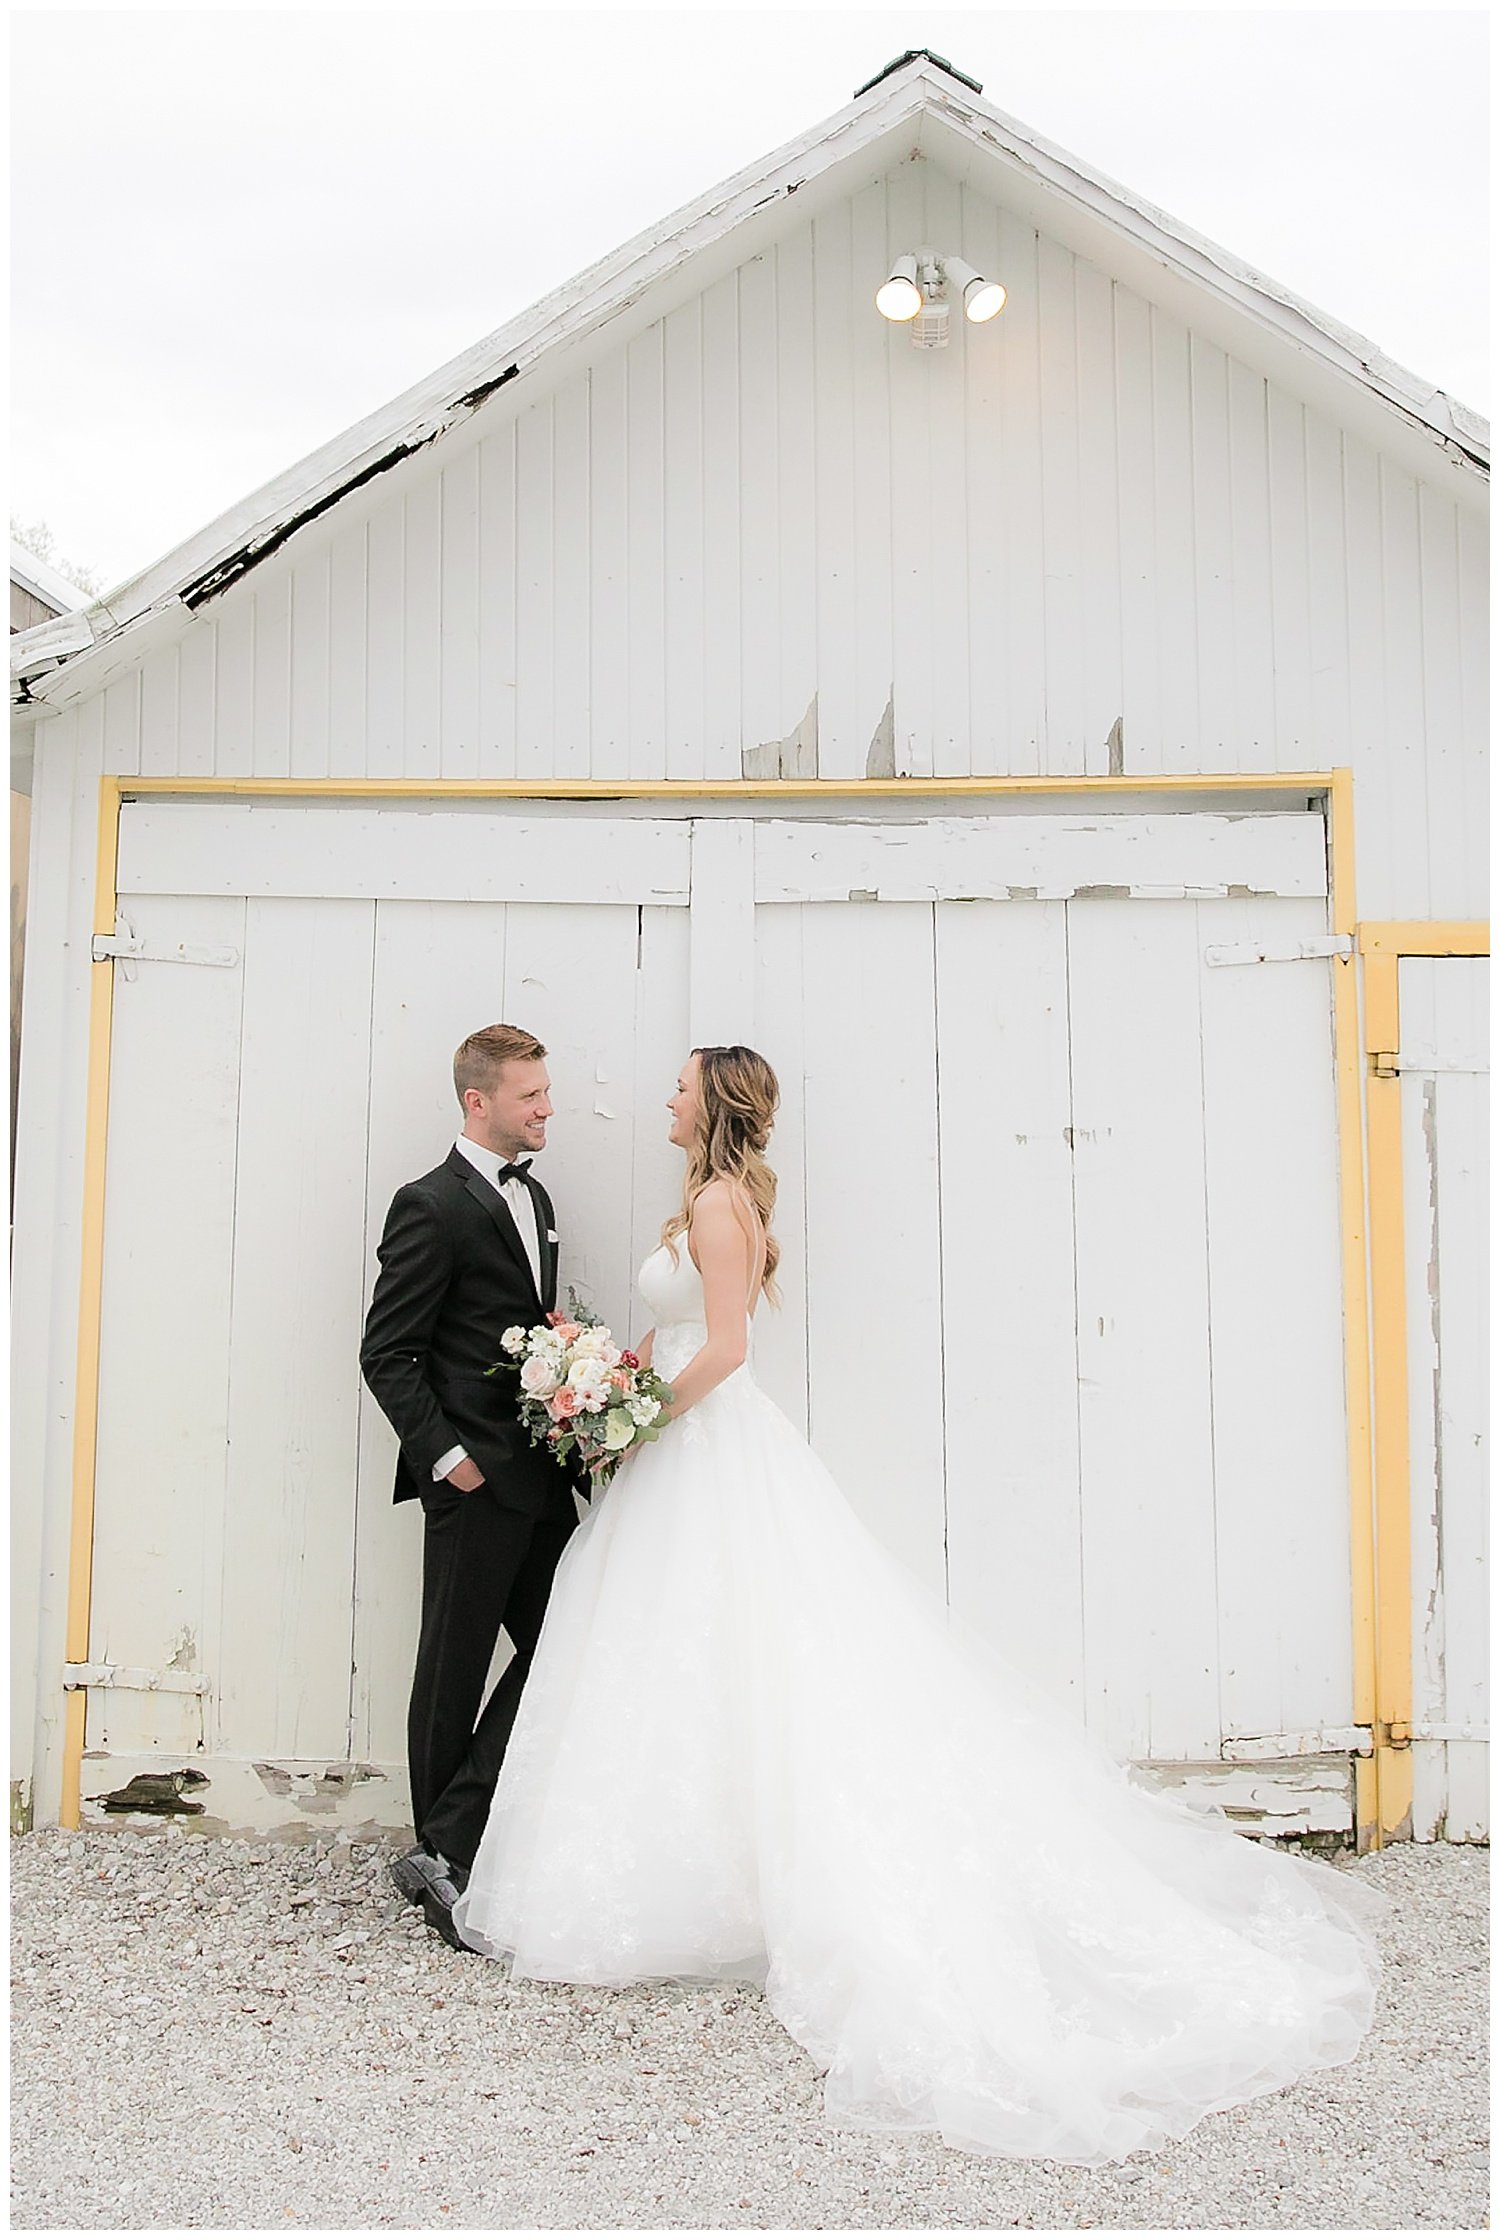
753, 1747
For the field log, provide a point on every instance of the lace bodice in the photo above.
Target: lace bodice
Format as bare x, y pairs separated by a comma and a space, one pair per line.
673, 1291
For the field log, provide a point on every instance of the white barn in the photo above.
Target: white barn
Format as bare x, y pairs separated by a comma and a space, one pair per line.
1061, 750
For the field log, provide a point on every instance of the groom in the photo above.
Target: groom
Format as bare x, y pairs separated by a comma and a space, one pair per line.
469, 1250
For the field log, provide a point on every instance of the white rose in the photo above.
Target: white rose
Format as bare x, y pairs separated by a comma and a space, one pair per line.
644, 1409
513, 1340
539, 1379
595, 1344
618, 1430
591, 1384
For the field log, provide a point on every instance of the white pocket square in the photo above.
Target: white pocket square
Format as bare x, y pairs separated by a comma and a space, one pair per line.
551, 1236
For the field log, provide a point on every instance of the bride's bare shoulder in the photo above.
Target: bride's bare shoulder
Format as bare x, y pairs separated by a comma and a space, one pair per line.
714, 1208
724, 1198
721, 1214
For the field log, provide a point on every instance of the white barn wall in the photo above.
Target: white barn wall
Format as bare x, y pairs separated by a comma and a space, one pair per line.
768, 511
768, 518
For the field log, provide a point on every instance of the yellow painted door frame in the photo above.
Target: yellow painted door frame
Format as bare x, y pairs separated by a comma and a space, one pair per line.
1337, 788
1381, 947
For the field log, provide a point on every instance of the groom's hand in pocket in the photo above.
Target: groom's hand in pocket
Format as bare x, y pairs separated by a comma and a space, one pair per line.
465, 1476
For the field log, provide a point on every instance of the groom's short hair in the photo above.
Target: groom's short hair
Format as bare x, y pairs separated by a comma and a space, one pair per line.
479, 1058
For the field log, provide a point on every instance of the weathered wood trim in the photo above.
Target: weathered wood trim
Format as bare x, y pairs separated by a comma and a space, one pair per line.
91, 1293
1305, 1798
738, 789
1348, 1070
1416, 937
1309, 1798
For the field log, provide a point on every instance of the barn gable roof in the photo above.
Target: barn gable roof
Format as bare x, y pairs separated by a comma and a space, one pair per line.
918, 106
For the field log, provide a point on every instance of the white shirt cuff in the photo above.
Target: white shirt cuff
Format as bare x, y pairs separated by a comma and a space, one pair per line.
449, 1461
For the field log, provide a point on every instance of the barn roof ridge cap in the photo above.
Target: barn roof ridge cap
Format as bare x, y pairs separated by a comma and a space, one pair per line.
917, 89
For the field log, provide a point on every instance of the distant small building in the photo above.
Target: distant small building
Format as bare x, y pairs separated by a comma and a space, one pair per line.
38, 592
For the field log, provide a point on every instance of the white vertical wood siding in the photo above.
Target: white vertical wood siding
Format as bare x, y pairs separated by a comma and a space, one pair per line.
1445, 1144
768, 515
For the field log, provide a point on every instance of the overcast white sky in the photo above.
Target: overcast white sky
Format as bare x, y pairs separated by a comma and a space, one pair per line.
237, 232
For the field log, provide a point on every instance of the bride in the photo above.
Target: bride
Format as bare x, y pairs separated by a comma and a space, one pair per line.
753, 1747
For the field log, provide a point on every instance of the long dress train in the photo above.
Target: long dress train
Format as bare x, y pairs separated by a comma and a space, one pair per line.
753, 1747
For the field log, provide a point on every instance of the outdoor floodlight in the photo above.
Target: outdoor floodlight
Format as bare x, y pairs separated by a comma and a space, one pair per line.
900, 297
982, 298
920, 288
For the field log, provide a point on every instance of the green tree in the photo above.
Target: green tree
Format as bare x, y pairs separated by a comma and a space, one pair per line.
36, 538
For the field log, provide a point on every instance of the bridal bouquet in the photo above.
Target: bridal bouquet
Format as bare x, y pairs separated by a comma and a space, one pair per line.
580, 1390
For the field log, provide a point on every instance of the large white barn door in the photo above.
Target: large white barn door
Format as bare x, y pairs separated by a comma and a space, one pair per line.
1057, 1194
1066, 1317
1148, 1493
282, 1043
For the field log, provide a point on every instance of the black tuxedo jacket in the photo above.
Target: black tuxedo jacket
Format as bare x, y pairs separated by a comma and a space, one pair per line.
454, 1275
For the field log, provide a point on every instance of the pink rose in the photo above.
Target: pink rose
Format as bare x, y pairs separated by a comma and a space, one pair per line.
563, 1404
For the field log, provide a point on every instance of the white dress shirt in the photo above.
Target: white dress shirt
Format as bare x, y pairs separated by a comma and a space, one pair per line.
523, 1212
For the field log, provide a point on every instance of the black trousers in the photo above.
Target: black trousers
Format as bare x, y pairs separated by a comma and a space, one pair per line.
483, 1567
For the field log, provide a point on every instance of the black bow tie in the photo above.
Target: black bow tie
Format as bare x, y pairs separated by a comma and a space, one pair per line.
515, 1173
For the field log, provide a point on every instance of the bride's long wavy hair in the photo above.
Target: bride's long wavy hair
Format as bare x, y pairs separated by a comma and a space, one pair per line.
737, 1098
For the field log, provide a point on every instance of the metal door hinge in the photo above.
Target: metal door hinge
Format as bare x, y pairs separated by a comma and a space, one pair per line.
135, 1676
1385, 1064
1279, 952
126, 945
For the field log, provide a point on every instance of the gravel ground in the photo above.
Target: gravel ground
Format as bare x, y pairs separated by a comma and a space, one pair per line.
256, 2036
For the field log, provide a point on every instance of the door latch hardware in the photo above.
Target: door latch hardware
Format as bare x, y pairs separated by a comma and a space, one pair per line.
125, 945
135, 1677
1279, 952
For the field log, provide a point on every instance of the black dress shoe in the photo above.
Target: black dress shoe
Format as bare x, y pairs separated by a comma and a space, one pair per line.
411, 1873
425, 1879
420, 1870
437, 1905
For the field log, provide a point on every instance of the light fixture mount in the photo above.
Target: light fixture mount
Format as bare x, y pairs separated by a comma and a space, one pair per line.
929, 329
